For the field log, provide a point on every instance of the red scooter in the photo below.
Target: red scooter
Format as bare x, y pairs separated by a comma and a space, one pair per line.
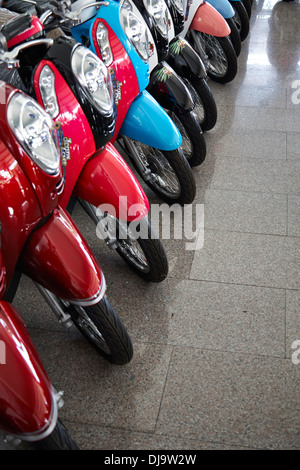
29, 405
74, 87
38, 237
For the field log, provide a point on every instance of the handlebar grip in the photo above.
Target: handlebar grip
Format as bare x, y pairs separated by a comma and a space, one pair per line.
16, 26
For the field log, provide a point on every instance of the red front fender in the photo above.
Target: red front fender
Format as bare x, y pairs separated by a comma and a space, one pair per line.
208, 20
27, 404
107, 180
58, 258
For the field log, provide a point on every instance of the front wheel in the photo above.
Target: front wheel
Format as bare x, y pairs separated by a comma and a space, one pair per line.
235, 36
102, 327
167, 173
218, 55
135, 242
241, 19
59, 439
193, 141
205, 108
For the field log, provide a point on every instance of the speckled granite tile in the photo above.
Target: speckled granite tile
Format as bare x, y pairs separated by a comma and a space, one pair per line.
265, 175
238, 211
246, 143
294, 216
92, 437
103, 394
281, 120
261, 260
293, 145
235, 399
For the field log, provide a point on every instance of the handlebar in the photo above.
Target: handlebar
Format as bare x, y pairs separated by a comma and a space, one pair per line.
15, 26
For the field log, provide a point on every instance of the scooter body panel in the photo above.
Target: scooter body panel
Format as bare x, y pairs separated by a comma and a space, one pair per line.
59, 259
28, 407
107, 180
206, 19
185, 60
76, 139
19, 211
147, 122
169, 89
123, 73
223, 7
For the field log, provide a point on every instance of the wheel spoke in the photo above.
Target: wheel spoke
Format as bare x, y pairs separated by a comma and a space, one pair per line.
215, 59
162, 174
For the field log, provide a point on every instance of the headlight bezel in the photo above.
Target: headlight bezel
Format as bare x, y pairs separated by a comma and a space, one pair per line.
93, 89
139, 40
160, 18
41, 122
47, 91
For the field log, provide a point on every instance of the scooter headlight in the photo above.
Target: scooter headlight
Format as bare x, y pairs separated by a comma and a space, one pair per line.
47, 89
135, 30
35, 131
93, 76
103, 43
158, 10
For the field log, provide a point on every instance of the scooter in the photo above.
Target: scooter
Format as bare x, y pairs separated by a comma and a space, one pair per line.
143, 129
29, 405
38, 237
94, 172
208, 32
168, 88
180, 56
189, 65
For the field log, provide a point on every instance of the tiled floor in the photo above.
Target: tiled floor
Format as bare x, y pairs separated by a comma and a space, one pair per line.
212, 365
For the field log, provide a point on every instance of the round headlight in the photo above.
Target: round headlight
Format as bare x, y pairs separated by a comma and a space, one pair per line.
35, 131
94, 78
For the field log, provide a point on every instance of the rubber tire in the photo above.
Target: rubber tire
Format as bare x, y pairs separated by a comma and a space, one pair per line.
59, 439
235, 37
229, 52
248, 7
183, 171
244, 18
155, 255
206, 97
113, 331
192, 127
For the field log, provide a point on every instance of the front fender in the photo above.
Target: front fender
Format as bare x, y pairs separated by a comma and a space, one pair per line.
28, 407
185, 60
59, 259
169, 89
107, 179
223, 7
147, 122
208, 20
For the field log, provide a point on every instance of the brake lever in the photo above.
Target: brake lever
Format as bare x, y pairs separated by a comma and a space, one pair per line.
10, 57
63, 11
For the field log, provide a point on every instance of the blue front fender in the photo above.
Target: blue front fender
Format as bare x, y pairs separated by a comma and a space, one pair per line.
223, 7
147, 122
